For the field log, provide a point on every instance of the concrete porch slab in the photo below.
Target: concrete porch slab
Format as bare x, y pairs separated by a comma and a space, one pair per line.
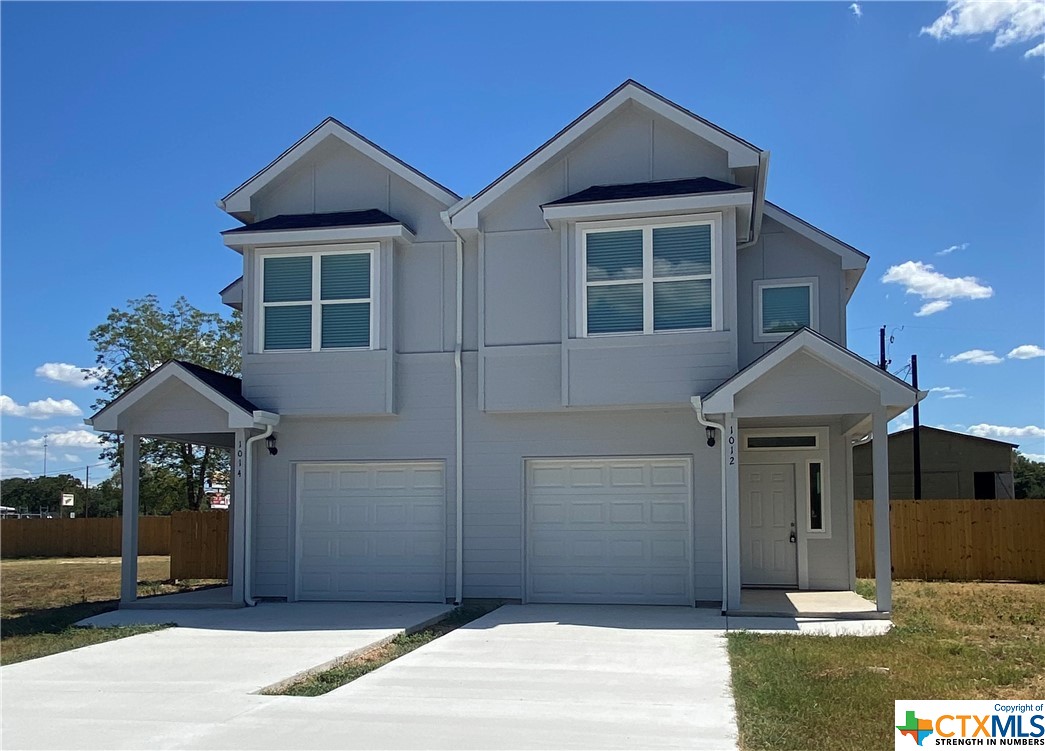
809, 626
211, 597
806, 604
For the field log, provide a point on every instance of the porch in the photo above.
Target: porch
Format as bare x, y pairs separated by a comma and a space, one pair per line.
792, 603
197, 599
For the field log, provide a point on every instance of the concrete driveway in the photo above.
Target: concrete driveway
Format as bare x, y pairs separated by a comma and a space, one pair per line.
556, 677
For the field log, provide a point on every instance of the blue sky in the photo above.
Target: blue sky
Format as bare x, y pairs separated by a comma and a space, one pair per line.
123, 123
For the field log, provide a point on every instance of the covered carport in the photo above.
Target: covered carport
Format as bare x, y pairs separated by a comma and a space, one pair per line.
184, 402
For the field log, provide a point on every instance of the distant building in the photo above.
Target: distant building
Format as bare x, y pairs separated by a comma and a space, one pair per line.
954, 465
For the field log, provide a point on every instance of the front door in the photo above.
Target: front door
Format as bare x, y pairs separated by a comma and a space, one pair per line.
768, 549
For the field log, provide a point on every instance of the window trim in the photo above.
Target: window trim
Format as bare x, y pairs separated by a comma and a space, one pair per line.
647, 225
812, 282
316, 252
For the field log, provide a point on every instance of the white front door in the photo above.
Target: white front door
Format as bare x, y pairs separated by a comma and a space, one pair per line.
768, 552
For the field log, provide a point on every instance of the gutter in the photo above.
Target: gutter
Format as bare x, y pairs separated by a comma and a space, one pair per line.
458, 413
759, 201
269, 420
698, 407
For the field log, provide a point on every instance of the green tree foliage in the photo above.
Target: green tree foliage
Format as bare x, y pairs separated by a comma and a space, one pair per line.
133, 342
1028, 477
39, 494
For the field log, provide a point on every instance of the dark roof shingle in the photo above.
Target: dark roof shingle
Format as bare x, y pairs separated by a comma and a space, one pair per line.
654, 189
365, 218
228, 386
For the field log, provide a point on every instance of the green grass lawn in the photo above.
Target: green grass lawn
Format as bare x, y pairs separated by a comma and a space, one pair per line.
358, 666
41, 599
951, 641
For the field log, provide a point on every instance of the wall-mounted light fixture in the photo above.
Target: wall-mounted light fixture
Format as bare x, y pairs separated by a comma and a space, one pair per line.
270, 444
710, 432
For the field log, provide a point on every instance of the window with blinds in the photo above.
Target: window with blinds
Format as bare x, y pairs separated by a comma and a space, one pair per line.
649, 278
784, 306
317, 301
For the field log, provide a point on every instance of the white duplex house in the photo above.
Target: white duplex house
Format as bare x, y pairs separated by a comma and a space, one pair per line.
617, 374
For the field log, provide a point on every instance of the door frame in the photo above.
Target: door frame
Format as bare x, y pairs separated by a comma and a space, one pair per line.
527, 461
800, 458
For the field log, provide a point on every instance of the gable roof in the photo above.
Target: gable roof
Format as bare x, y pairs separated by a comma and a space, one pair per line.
224, 391
854, 262
741, 153
365, 218
237, 202
931, 429
651, 189
894, 391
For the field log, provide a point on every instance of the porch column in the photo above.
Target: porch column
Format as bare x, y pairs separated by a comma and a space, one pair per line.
731, 488
882, 552
238, 521
129, 546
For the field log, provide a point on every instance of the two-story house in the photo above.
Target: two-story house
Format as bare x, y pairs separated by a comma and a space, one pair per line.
615, 375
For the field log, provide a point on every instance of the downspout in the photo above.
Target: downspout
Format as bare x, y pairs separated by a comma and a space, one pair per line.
248, 475
698, 407
458, 414
758, 202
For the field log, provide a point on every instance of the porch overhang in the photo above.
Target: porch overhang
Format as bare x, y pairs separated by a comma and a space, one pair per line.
210, 406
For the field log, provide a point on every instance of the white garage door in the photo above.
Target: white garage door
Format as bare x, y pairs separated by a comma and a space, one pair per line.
609, 531
371, 532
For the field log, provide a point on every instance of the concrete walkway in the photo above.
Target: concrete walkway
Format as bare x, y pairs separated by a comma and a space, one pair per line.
525, 677
169, 689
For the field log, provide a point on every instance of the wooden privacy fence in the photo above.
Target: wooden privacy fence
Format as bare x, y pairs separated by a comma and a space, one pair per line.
199, 545
958, 540
72, 538
197, 541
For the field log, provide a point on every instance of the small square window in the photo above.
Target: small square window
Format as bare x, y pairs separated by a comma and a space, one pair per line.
784, 306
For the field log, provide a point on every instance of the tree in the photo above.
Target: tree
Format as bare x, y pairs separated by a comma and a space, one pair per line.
1028, 477
135, 341
36, 494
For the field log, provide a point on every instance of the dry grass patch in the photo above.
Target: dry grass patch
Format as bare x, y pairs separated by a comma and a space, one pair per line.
951, 641
41, 599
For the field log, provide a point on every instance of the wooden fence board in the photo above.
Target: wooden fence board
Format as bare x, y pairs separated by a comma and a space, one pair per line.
199, 545
75, 538
960, 540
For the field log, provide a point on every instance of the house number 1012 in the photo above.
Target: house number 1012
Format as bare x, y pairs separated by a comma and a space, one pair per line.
732, 441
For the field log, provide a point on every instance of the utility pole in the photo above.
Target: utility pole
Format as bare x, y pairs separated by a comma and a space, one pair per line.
917, 435
86, 489
881, 349
45, 454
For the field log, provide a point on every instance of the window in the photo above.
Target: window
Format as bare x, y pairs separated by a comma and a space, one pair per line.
816, 497
315, 301
783, 306
782, 442
647, 278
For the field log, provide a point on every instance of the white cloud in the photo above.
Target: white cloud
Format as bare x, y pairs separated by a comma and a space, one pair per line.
1038, 51
1026, 352
39, 410
69, 439
936, 306
1004, 431
1010, 21
946, 392
921, 279
947, 251
903, 422
976, 357
857, 10
7, 471
73, 375
1033, 457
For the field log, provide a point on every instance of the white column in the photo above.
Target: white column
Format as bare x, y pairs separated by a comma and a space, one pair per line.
129, 547
238, 524
731, 468
882, 552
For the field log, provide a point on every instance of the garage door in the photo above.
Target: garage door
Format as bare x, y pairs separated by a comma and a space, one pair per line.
371, 532
609, 531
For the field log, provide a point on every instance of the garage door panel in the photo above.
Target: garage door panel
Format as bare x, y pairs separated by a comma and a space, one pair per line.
372, 531
609, 530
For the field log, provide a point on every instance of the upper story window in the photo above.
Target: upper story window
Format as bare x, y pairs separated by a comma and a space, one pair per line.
317, 300
783, 306
650, 277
